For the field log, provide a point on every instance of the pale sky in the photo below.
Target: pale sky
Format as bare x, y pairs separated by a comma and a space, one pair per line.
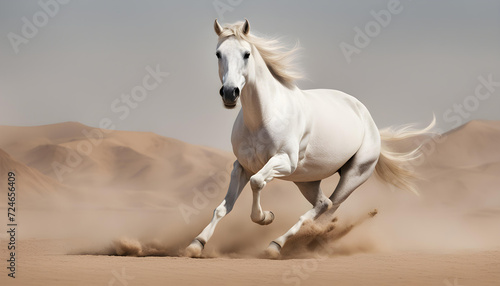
80, 59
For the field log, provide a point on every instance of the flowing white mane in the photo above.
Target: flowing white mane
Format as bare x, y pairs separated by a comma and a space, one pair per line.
279, 59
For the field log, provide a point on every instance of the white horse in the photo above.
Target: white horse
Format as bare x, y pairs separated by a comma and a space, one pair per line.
296, 135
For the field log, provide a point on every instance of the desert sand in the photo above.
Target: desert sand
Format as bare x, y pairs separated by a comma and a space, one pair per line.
101, 207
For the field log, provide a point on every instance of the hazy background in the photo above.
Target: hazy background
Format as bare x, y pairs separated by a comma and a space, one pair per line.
426, 60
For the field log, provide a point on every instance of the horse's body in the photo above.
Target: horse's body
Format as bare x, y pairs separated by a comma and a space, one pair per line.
323, 129
297, 135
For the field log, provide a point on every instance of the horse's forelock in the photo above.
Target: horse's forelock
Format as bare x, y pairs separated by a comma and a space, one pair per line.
278, 58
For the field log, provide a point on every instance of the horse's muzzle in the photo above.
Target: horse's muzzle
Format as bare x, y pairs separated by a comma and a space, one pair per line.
229, 96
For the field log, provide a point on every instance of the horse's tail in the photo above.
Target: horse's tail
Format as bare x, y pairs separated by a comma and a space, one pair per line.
396, 168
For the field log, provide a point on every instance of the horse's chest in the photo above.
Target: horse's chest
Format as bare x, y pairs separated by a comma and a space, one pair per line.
253, 152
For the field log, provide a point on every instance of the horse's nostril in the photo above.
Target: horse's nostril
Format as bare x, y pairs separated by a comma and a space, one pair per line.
236, 92
221, 91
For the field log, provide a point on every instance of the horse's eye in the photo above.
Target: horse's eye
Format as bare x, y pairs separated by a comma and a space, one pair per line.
217, 54
246, 55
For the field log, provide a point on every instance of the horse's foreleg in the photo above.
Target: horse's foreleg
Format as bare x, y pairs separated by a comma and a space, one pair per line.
239, 179
313, 193
278, 166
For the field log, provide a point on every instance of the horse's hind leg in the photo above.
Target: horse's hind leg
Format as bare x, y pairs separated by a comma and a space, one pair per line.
313, 193
354, 173
359, 168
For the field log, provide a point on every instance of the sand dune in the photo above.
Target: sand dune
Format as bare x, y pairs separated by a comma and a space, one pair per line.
141, 194
31, 180
98, 159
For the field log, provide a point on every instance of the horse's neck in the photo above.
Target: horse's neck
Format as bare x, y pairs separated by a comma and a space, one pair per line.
261, 98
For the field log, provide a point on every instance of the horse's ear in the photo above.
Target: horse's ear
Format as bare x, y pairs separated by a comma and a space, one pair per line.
246, 27
217, 27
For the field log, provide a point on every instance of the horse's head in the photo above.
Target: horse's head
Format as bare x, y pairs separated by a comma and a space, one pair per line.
235, 61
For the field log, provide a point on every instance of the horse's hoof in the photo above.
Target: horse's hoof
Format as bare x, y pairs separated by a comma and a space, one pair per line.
194, 249
268, 218
273, 250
